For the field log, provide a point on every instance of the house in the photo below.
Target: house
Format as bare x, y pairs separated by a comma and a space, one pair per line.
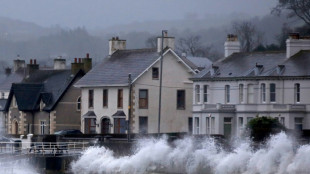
105, 91
46, 100
242, 86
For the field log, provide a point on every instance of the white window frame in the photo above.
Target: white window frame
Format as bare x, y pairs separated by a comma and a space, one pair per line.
78, 103
196, 125
250, 93
263, 92
197, 93
42, 127
227, 93
241, 93
271, 93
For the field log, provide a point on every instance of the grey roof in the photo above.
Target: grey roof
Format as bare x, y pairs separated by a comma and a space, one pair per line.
119, 113
254, 64
200, 62
114, 70
90, 114
2, 104
46, 85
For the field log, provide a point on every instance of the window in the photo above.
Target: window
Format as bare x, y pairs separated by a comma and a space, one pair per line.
180, 99
119, 125
210, 125
190, 125
197, 92
297, 92
120, 98
155, 73
78, 104
196, 125
205, 93
90, 98
143, 98
263, 92
272, 92
42, 127
298, 124
227, 93
241, 93
250, 93
143, 125
105, 94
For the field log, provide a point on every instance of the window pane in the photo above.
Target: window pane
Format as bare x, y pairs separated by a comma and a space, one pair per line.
205, 93
155, 73
91, 98
105, 98
181, 99
297, 92
143, 98
197, 91
263, 92
120, 98
227, 93
241, 93
272, 92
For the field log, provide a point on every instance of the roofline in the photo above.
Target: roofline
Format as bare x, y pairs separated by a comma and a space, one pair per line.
248, 78
159, 59
101, 85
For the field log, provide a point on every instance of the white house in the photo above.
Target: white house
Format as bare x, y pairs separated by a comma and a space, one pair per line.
242, 86
105, 91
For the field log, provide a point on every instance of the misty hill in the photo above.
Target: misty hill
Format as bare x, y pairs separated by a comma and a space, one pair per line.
17, 30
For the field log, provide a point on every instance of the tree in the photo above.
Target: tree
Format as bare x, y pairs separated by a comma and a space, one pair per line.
151, 42
248, 35
192, 46
262, 127
295, 8
281, 38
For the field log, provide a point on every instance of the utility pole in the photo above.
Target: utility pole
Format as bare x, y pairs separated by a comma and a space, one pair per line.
129, 107
163, 33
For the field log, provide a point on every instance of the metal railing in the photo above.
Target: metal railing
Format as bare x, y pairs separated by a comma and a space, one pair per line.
43, 148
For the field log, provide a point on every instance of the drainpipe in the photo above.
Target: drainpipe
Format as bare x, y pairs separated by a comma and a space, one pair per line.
163, 32
129, 107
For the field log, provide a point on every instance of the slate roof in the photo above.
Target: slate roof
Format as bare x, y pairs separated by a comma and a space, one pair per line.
46, 85
243, 65
114, 70
200, 62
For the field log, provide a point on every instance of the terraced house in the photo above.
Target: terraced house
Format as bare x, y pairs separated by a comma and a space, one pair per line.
105, 91
242, 86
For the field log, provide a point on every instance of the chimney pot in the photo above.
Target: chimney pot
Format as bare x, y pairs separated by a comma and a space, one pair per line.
80, 60
30, 61
294, 35
116, 38
87, 55
75, 60
34, 61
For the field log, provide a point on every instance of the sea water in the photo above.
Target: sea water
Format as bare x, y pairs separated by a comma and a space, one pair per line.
280, 155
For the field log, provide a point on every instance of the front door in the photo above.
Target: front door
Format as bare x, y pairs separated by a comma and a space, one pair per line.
105, 126
227, 127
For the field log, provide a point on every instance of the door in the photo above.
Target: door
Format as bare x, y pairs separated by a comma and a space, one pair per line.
143, 125
227, 127
105, 126
119, 125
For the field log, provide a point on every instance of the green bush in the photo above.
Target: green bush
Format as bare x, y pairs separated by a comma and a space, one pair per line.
261, 128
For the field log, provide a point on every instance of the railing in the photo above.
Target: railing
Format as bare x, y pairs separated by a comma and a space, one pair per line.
51, 148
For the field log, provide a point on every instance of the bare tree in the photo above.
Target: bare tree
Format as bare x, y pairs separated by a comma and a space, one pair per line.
296, 8
151, 42
192, 46
281, 38
248, 35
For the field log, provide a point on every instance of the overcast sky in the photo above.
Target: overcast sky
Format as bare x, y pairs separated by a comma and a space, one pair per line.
105, 13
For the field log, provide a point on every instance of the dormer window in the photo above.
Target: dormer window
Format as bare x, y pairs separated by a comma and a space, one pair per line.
155, 73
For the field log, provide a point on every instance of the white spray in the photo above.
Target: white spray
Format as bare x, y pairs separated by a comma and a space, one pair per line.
280, 156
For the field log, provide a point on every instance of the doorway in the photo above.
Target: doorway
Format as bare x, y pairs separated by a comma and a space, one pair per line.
105, 126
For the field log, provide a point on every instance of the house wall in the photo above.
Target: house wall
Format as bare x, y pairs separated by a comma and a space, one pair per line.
66, 115
285, 105
175, 77
100, 111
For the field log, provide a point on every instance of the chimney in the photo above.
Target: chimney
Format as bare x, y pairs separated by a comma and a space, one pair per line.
32, 67
116, 44
18, 64
168, 42
232, 45
295, 43
87, 63
76, 66
59, 63
8, 71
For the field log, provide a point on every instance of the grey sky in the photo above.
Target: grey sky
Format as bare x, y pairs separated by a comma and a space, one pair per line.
104, 13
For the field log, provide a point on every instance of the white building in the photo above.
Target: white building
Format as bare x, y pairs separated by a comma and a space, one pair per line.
105, 91
242, 86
